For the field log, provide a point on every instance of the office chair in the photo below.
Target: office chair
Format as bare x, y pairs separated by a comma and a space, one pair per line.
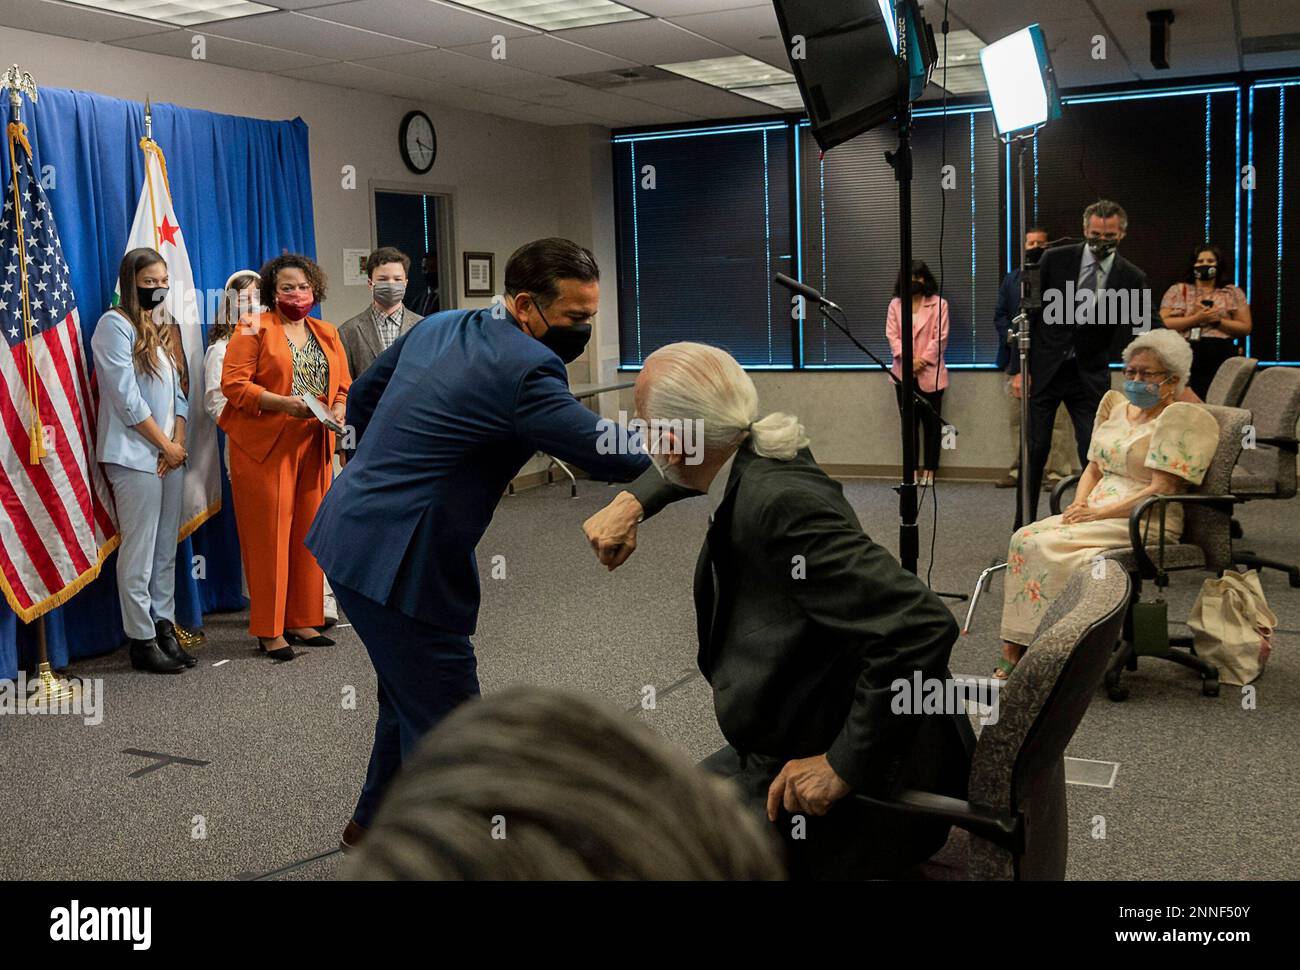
1206, 543
1268, 471
1015, 811
1230, 382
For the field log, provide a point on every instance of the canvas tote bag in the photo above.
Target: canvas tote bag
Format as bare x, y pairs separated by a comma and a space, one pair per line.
1232, 626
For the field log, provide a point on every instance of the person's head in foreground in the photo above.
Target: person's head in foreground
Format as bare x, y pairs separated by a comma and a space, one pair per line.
533, 783
700, 406
1156, 368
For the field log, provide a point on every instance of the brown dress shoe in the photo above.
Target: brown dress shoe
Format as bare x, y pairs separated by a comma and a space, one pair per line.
352, 835
1008, 482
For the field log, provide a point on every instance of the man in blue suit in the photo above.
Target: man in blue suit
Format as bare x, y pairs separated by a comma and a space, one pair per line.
443, 420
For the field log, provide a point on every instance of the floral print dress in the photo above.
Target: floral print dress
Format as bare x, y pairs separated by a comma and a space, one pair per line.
1044, 555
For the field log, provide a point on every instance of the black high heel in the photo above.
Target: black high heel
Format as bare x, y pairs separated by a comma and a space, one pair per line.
280, 654
317, 641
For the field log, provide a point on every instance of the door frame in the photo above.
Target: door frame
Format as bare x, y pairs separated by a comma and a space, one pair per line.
448, 272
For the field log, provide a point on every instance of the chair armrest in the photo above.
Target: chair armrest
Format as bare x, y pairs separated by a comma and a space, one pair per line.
1285, 444
1058, 493
1005, 831
1146, 567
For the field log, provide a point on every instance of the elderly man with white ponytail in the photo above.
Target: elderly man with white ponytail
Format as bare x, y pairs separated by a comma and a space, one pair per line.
805, 625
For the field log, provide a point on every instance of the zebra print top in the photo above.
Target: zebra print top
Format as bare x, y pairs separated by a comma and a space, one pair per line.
311, 370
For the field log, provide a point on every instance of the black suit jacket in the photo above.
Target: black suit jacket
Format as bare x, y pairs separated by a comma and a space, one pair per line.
804, 624
1095, 345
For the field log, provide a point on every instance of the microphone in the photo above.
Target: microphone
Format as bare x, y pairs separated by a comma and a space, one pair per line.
802, 289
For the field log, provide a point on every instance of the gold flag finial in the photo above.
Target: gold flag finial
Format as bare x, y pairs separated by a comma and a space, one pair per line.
18, 82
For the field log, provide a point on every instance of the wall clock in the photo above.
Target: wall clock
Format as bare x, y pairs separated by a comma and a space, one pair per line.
418, 142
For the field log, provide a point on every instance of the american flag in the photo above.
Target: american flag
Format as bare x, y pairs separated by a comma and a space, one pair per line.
56, 519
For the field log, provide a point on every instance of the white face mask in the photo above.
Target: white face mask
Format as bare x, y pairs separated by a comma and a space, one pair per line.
668, 472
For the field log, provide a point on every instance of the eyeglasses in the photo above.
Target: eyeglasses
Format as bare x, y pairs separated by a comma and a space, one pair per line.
1146, 376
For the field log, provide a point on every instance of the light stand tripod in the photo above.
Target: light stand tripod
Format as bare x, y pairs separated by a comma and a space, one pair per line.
1031, 301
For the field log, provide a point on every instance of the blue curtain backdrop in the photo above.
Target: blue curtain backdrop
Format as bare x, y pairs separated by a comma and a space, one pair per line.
242, 191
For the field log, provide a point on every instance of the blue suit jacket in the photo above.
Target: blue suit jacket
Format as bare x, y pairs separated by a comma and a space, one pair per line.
444, 419
128, 396
1008, 307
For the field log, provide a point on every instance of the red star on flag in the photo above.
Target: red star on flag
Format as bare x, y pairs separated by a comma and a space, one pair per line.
167, 232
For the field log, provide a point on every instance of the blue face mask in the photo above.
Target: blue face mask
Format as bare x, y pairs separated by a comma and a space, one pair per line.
1142, 394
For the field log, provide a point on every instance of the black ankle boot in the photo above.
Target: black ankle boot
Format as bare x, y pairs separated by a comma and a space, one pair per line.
165, 634
147, 655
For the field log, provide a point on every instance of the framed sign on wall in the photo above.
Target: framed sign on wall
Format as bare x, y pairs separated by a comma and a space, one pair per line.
480, 274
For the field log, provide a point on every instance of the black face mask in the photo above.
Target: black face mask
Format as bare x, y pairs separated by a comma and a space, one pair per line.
1206, 272
1101, 248
150, 297
567, 342
1032, 256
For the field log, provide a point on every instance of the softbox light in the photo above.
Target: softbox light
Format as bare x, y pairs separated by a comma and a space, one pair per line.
845, 56
1021, 82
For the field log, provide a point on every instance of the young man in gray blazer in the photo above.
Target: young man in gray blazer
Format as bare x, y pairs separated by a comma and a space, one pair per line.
807, 628
377, 327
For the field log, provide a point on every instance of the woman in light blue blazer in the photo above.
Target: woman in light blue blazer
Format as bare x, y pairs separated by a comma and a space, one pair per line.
141, 441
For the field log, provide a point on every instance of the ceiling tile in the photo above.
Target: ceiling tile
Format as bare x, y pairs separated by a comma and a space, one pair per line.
751, 30
309, 35
647, 42
298, 4
1261, 18
78, 23
1272, 62
541, 114
699, 99
426, 21
673, 8
548, 54
453, 68
220, 50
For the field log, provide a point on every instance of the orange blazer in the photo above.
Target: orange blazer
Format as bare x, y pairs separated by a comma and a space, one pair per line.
257, 360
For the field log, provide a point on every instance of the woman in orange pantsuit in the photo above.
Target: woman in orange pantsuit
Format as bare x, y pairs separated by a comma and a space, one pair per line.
280, 455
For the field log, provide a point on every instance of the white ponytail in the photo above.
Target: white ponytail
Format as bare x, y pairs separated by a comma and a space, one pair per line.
778, 436
698, 383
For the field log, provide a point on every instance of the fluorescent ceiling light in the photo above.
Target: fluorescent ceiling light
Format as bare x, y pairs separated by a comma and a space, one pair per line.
783, 96
182, 13
556, 14
731, 73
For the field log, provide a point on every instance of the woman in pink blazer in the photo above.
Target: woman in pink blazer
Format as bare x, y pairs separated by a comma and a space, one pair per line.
929, 341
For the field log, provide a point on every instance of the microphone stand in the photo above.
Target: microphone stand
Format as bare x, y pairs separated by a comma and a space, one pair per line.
824, 306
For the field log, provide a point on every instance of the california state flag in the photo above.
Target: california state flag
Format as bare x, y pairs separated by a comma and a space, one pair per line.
156, 227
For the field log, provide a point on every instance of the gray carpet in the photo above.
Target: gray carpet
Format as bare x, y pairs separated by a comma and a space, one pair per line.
1204, 790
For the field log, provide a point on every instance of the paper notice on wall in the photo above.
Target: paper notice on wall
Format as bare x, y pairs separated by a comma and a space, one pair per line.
354, 267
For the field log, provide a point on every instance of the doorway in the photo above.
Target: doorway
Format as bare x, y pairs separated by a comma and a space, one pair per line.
418, 222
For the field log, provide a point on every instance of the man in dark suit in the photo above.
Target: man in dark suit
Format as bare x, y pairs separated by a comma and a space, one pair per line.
1060, 462
807, 629
443, 420
377, 327
1094, 303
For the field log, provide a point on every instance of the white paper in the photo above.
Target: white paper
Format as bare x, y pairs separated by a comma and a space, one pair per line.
322, 413
354, 267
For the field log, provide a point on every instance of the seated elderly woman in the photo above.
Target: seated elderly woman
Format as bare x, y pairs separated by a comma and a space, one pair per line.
1144, 442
